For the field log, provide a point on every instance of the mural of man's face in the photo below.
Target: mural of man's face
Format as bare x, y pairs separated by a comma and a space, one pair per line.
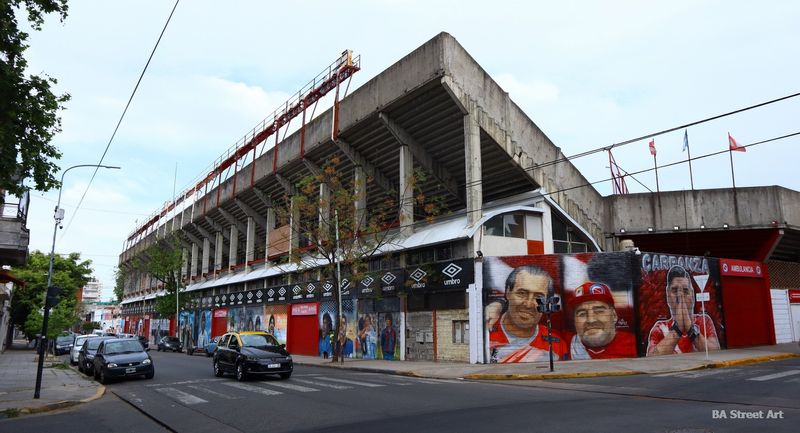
595, 323
680, 295
522, 301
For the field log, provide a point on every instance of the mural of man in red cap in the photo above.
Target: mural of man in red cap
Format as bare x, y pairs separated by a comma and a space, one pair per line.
684, 331
597, 336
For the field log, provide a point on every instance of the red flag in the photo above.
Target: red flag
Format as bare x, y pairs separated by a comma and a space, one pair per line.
653, 147
734, 146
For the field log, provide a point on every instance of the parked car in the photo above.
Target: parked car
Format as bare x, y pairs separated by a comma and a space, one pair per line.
76, 348
63, 344
122, 357
87, 352
211, 346
170, 343
144, 341
251, 353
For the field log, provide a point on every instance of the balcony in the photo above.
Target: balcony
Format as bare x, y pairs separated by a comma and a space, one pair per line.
14, 235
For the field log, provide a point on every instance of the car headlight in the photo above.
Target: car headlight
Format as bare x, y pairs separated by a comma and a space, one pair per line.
250, 358
146, 362
288, 357
111, 365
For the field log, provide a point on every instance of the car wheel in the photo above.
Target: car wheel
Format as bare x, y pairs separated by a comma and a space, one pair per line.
80, 367
103, 379
240, 374
96, 375
217, 371
150, 375
286, 375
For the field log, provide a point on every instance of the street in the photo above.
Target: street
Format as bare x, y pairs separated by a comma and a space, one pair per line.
185, 396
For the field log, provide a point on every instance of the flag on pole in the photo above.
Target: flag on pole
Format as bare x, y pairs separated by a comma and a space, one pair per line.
653, 147
734, 146
685, 140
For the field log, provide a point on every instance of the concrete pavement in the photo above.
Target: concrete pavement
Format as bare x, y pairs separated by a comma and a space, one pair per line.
565, 370
61, 387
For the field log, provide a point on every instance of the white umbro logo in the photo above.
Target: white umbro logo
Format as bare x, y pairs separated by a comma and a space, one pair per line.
327, 287
310, 288
296, 289
388, 278
418, 274
271, 293
451, 270
282, 291
367, 281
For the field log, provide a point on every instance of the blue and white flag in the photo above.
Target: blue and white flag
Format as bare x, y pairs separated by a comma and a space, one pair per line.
685, 140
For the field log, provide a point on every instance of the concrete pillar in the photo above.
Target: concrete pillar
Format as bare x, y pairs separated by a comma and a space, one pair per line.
185, 263
250, 242
206, 256
193, 264
360, 191
324, 211
406, 192
294, 236
219, 244
234, 246
472, 158
269, 228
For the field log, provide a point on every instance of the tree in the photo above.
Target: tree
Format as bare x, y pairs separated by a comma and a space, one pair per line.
70, 273
322, 210
28, 107
87, 327
119, 284
62, 317
163, 262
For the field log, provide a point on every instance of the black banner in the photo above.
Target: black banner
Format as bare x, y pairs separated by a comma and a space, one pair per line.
452, 274
391, 282
367, 287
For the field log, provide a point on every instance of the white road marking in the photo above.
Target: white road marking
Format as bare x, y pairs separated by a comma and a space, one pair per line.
212, 392
351, 382
293, 387
775, 376
252, 388
181, 396
322, 384
696, 374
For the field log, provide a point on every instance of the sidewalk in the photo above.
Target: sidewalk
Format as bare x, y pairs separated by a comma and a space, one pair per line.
60, 387
567, 369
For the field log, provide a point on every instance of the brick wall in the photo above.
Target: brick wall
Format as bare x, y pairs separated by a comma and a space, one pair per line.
445, 348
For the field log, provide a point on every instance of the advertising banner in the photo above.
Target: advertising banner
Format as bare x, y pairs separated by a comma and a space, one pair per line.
276, 318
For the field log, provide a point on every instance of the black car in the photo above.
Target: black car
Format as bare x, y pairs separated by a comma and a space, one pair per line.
86, 355
169, 343
122, 357
63, 344
251, 353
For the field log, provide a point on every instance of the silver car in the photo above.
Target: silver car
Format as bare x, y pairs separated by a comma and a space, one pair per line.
76, 348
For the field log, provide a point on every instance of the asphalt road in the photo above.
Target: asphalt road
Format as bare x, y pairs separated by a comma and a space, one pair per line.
185, 396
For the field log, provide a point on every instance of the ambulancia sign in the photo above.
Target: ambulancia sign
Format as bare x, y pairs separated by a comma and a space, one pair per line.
741, 268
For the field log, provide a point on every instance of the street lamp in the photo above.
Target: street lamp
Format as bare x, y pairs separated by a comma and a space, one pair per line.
59, 216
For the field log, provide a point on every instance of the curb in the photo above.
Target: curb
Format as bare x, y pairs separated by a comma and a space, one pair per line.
101, 390
366, 369
543, 376
754, 360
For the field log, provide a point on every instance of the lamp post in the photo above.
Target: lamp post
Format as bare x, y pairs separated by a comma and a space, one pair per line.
59, 216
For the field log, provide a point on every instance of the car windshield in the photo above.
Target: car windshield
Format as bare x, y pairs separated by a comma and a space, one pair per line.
125, 346
258, 340
79, 341
92, 343
64, 340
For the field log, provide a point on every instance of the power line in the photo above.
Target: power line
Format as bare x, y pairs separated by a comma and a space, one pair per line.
119, 122
651, 135
91, 209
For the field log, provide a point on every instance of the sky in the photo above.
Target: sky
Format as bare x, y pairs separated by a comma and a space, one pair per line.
588, 73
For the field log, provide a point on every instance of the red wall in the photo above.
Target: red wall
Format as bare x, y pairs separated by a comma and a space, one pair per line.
748, 311
219, 325
303, 333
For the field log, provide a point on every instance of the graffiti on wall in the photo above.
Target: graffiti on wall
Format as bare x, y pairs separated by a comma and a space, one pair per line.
347, 330
187, 329
276, 321
674, 292
596, 322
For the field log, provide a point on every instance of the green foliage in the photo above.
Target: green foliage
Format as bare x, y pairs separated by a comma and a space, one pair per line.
69, 272
28, 107
119, 283
62, 318
88, 327
162, 261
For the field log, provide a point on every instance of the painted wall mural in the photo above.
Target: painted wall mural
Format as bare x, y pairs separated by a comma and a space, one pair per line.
276, 319
597, 299
158, 328
203, 328
680, 308
388, 336
348, 330
187, 329
246, 319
